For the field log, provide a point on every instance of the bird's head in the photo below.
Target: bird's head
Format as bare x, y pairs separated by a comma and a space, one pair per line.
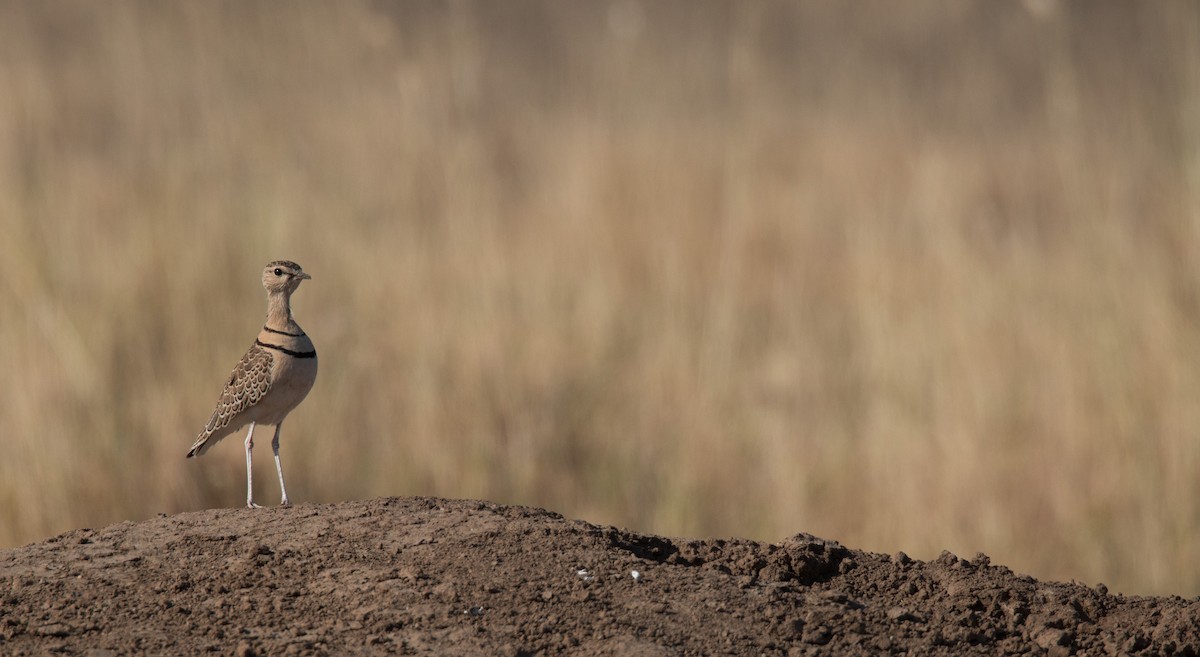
283, 276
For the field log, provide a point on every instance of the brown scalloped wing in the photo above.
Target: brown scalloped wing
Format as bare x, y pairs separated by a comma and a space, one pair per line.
248, 383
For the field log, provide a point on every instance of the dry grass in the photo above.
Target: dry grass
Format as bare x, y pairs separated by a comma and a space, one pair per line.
913, 281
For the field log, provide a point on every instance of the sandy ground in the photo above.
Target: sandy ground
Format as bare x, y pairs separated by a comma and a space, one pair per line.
432, 576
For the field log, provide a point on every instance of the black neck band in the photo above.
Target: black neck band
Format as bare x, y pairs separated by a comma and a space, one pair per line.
290, 335
294, 354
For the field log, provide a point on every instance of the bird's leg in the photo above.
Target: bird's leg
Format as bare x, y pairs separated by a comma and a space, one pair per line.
249, 470
278, 467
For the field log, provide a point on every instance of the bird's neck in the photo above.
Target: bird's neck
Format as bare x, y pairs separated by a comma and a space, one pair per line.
279, 313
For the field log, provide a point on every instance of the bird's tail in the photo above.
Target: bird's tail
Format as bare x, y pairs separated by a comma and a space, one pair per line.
200, 446
210, 437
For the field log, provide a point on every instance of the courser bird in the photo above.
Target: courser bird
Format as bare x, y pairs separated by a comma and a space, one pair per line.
270, 380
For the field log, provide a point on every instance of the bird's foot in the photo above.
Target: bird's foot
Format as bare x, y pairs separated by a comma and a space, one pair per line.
251, 505
285, 502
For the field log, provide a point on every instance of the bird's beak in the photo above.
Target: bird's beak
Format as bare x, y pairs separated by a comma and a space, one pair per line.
303, 276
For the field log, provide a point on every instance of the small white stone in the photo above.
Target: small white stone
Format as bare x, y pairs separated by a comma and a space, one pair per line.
635, 575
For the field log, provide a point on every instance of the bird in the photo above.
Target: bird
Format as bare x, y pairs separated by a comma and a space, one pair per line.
269, 381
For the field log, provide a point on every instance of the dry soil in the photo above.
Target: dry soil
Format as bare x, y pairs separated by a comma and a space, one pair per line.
433, 576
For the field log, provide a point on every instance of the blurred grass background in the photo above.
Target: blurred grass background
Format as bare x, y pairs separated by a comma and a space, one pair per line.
914, 276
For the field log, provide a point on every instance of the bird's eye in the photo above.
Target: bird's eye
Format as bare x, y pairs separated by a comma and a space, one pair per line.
278, 271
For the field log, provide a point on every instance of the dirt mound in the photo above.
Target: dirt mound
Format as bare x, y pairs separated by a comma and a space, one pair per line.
420, 575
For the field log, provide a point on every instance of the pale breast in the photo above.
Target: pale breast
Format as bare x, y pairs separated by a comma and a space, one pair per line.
293, 372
